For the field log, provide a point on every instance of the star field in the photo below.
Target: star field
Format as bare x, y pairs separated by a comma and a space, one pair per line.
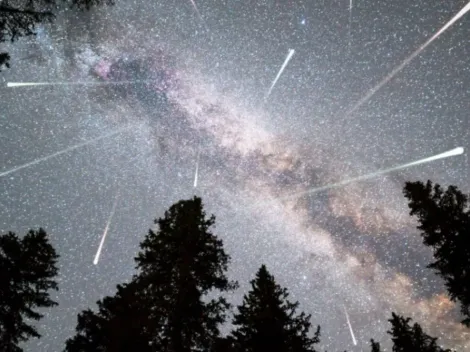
353, 247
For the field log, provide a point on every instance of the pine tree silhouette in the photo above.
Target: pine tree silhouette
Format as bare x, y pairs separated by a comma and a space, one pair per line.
444, 219
407, 338
166, 303
27, 273
180, 264
267, 321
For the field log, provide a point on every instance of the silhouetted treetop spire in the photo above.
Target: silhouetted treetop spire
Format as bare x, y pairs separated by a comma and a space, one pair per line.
444, 221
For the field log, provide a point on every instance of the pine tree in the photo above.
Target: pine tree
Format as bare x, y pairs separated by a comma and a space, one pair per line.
178, 265
181, 263
20, 18
444, 219
267, 321
27, 273
407, 338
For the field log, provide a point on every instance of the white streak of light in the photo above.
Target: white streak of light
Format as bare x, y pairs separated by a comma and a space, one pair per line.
63, 151
350, 327
350, 22
286, 61
453, 152
105, 232
400, 67
197, 170
89, 83
196, 9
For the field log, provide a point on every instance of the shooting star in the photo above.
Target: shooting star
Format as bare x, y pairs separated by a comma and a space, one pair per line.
197, 169
350, 22
88, 83
350, 327
453, 152
106, 229
63, 151
400, 67
286, 61
197, 11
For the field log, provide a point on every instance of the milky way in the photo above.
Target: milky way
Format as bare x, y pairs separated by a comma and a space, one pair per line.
351, 247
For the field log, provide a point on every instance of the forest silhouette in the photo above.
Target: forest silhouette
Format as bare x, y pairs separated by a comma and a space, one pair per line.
166, 307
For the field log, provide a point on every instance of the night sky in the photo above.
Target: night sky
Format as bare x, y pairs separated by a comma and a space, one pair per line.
352, 248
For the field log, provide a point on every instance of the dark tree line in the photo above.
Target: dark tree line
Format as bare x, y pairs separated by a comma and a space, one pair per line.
28, 269
19, 18
175, 301
166, 303
409, 338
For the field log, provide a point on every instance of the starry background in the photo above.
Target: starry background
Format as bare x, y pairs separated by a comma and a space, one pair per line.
352, 248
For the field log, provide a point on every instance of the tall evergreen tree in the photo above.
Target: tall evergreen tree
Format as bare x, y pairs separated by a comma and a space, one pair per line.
27, 273
407, 338
267, 321
444, 219
178, 265
20, 18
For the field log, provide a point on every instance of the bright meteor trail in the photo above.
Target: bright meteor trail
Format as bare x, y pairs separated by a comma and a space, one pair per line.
286, 61
453, 152
196, 9
400, 67
350, 327
350, 23
89, 83
63, 151
197, 169
106, 229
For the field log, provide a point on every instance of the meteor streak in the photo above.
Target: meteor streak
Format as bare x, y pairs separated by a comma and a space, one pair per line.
286, 61
197, 169
196, 9
350, 327
63, 151
88, 83
400, 67
113, 210
453, 152
350, 21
